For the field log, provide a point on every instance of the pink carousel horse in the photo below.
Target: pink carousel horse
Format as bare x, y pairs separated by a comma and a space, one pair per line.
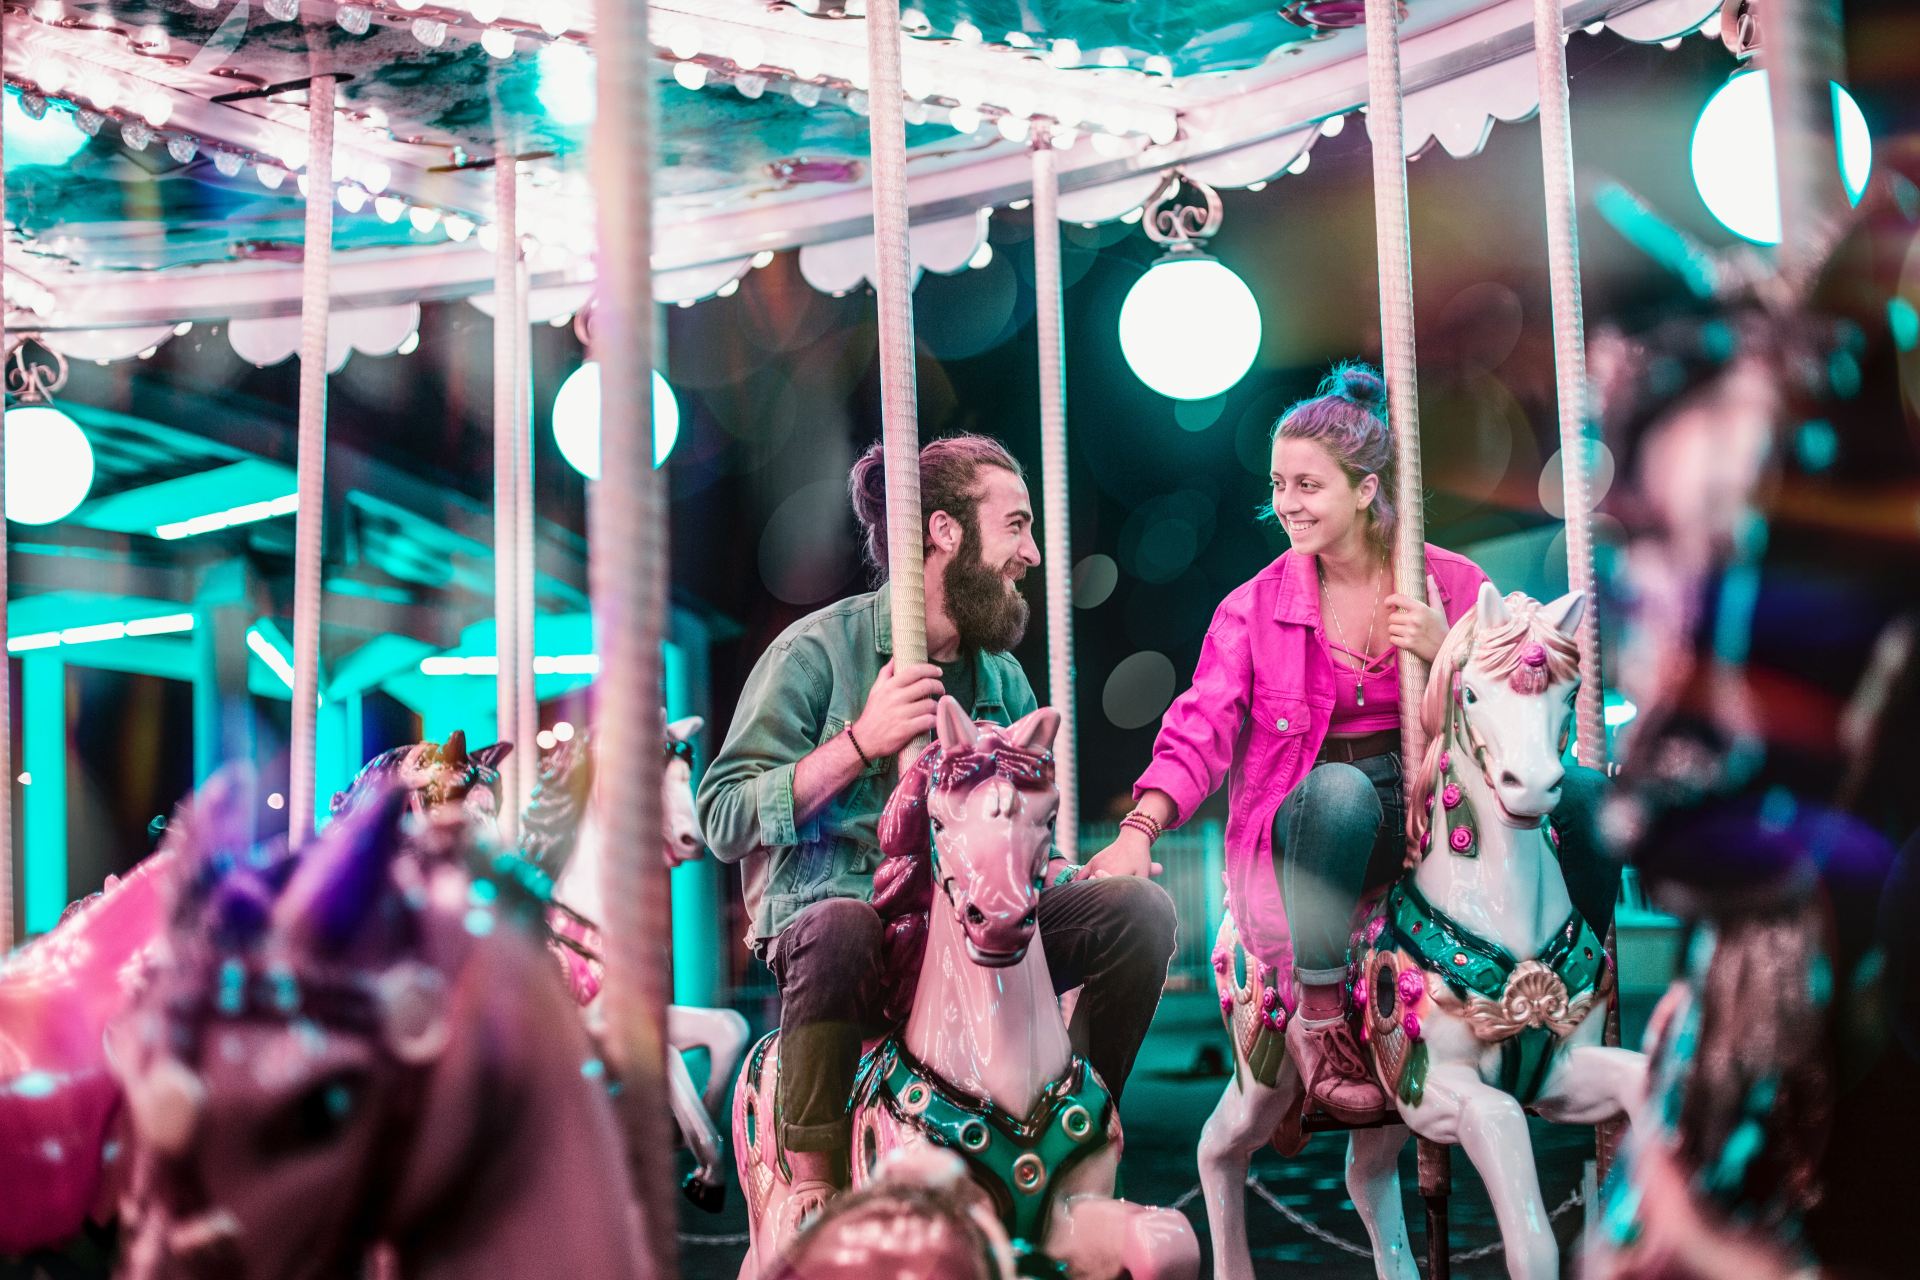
1475, 981
982, 1066
364, 1043
561, 835
63, 1139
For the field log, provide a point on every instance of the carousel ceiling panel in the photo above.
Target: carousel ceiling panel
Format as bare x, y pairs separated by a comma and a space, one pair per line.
1194, 36
189, 175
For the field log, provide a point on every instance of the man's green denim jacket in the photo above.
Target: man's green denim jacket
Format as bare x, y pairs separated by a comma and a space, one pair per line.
807, 687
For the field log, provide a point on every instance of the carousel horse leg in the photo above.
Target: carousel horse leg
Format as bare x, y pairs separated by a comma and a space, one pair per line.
1243, 1119
721, 1032
1373, 1183
1490, 1126
1592, 1084
706, 1186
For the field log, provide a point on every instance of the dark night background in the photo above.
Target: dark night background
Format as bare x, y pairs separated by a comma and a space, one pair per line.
779, 392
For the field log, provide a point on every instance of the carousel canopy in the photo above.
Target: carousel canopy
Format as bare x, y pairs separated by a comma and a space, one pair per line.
155, 147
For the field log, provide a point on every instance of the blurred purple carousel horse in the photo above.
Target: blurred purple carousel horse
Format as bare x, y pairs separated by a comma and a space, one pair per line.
982, 1066
361, 1044
562, 837
63, 1140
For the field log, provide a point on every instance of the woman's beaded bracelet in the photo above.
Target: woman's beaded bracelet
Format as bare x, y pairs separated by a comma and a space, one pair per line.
1145, 824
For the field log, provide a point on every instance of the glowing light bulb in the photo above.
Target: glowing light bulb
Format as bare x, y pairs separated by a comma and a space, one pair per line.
1189, 327
576, 419
1733, 157
49, 465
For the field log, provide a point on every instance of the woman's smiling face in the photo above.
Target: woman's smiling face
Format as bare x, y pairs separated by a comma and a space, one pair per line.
1316, 504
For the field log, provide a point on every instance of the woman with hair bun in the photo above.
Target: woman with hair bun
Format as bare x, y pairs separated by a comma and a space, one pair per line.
1295, 703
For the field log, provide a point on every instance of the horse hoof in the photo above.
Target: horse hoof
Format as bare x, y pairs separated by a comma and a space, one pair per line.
709, 1196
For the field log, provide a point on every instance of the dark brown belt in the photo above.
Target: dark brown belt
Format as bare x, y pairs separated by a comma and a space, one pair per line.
1347, 750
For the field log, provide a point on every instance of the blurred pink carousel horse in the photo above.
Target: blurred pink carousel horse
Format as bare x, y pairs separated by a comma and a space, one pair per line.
561, 835
62, 1132
982, 1067
358, 1045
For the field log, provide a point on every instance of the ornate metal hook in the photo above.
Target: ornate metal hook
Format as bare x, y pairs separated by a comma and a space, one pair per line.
35, 381
1181, 226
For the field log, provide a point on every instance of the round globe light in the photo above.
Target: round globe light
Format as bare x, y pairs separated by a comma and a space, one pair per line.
49, 465
1189, 327
52, 139
576, 419
1734, 165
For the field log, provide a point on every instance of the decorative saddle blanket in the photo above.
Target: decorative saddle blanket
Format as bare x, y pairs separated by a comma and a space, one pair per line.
1524, 1006
1015, 1159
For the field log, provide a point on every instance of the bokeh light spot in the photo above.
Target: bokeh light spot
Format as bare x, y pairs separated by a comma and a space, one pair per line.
1904, 321
1094, 579
1816, 445
1198, 415
1138, 690
1552, 481
806, 551
1164, 535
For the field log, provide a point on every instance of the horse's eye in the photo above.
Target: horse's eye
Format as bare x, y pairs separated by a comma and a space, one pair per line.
1471, 696
316, 1116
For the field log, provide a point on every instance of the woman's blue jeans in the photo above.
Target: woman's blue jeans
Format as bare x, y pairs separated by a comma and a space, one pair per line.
1341, 834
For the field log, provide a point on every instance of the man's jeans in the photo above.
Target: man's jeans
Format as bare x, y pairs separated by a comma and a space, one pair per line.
1341, 834
1114, 936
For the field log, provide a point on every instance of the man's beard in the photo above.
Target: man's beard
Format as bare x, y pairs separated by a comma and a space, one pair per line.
986, 610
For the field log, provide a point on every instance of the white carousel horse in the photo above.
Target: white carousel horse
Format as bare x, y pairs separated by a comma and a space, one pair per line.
1474, 978
565, 838
983, 1066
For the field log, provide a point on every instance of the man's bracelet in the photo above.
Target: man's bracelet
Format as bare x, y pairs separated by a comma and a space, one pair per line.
1145, 824
857, 750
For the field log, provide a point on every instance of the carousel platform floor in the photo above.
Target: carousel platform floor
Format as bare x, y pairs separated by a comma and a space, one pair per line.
1175, 1085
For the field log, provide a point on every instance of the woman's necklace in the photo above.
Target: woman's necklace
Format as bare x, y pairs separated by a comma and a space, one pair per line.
1373, 618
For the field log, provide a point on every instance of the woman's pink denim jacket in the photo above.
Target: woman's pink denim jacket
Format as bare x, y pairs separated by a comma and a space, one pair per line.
1256, 715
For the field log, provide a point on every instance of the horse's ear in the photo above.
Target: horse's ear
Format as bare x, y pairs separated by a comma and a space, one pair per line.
454, 752
684, 730
1489, 610
491, 756
1035, 731
343, 875
957, 731
1564, 614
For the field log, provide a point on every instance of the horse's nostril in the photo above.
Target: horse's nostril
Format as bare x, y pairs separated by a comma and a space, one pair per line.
1507, 779
975, 915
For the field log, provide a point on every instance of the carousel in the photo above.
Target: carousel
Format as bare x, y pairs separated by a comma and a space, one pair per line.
447, 1010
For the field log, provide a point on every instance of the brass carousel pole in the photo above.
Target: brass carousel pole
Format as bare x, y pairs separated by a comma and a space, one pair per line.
1570, 367
509, 444
893, 287
6, 666
315, 313
1393, 239
1055, 509
628, 565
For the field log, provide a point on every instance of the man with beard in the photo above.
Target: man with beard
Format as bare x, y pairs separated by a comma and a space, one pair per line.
796, 791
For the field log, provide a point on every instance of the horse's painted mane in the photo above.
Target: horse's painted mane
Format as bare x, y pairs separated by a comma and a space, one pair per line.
903, 882
550, 824
1503, 652
441, 773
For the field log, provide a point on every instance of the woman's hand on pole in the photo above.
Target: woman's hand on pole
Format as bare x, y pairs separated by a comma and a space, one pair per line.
1417, 627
